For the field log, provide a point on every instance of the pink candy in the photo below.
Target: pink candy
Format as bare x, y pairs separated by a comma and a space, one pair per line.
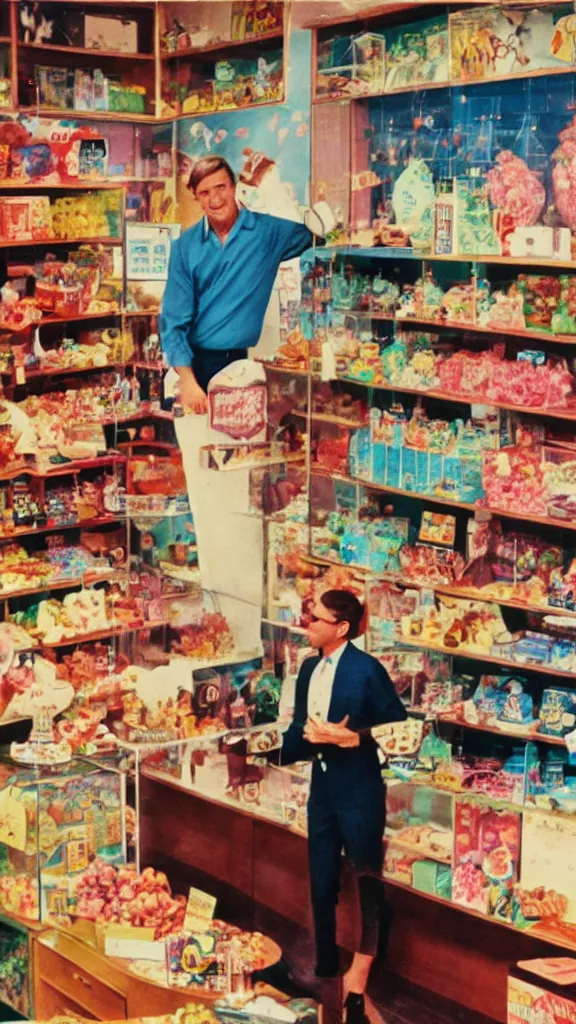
516, 190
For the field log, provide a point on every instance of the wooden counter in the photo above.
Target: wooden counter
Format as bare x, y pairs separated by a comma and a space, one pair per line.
74, 978
259, 871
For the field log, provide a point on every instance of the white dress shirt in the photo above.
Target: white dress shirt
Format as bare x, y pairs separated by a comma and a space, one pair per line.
322, 683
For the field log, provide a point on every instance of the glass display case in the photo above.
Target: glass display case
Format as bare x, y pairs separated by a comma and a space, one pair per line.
54, 821
419, 838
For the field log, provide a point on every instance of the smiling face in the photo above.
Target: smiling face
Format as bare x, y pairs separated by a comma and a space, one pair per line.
325, 632
217, 196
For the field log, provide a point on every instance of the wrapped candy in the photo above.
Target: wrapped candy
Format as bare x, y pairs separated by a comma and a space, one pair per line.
514, 480
564, 175
516, 191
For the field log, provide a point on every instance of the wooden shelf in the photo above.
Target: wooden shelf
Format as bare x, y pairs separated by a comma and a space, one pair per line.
446, 589
93, 184
526, 737
324, 417
527, 334
85, 51
563, 524
83, 524
463, 652
448, 396
532, 932
384, 253
419, 851
87, 638
454, 83
66, 114
33, 243
87, 580
223, 45
65, 468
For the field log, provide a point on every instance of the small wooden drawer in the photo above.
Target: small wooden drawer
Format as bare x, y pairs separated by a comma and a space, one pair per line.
51, 1003
79, 985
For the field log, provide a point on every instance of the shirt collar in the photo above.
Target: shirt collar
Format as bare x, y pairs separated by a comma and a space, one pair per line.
246, 221
337, 654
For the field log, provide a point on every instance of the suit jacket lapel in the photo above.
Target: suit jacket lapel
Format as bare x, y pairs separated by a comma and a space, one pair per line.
337, 709
301, 698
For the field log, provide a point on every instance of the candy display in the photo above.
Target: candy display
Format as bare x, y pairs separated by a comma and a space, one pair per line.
59, 823
205, 959
113, 894
487, 851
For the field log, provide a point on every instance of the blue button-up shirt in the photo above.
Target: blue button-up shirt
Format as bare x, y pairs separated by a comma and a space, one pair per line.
216, 295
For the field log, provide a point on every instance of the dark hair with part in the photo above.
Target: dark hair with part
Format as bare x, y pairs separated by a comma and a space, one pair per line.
345, 607
205, 167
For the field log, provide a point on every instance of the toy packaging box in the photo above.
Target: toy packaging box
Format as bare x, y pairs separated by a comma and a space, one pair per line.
542, 990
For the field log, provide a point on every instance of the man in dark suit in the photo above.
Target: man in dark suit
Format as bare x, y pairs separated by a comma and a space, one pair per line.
341, 694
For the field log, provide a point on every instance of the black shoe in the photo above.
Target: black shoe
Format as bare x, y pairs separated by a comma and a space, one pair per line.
280, 977
354, 1009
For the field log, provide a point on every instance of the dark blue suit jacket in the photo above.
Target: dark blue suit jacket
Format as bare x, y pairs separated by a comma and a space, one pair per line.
363, 691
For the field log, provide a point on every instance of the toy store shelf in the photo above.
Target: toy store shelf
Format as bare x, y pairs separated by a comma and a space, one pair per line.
457, 325
74, 186
563, 524
62, 371
223, 45
74, 581
447, 396
85, 51
324, 417
87, 638
422, 851
80, 524
464, 652
66, 469
198, 740
394, 253
33, 243
526, 736
454, 83
448, 590
63, 113
534, 932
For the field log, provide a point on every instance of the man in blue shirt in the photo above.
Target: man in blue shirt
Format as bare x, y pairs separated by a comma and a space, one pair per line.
220, 280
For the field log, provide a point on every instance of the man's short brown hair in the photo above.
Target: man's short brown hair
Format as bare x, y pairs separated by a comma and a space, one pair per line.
205, 167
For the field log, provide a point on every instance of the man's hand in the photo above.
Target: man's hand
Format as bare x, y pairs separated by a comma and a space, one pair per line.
317, 731
192, 398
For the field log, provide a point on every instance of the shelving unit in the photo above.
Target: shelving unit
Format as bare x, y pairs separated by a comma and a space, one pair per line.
352, 137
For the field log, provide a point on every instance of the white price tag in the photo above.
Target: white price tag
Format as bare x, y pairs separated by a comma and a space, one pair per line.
328, 362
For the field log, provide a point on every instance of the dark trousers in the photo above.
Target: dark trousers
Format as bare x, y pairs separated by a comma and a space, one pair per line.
355, 827
207, 362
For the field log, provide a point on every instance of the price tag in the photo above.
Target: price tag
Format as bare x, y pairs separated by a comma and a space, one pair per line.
328, 362
570, 739
199, 911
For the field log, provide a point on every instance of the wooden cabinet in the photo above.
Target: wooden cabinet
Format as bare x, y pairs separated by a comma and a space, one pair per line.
70, 976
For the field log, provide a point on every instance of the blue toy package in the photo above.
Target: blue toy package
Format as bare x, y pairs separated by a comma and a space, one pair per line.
393, 467
557, 711
360, 453
409, 476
